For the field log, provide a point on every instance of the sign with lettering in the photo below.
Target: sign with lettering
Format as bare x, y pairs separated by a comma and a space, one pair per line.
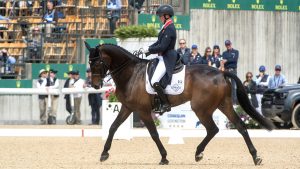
263, 5
181, 22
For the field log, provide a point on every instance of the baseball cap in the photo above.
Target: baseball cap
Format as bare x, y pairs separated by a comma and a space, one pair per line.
194, 47
53, 71
216, 47
227, 42
277, 67
262, 68
75, 72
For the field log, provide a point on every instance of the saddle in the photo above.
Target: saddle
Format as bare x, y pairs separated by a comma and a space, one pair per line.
153, 64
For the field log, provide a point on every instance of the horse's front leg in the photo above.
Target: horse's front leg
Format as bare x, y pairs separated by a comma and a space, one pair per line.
122, 116
149, 123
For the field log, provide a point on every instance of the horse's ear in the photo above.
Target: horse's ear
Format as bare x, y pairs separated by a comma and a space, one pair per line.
87, 46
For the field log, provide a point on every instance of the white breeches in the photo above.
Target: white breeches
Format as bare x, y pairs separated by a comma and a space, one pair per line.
160, 70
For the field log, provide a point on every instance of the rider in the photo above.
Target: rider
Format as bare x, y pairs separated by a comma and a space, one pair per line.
167, 56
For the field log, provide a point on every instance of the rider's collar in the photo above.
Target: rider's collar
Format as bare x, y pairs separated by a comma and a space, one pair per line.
168, 22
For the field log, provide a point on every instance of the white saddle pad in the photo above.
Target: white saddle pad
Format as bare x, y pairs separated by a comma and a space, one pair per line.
176, 87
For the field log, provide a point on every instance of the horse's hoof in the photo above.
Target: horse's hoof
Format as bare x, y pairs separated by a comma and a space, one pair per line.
199, 157
164, 162
257, 160
104, 157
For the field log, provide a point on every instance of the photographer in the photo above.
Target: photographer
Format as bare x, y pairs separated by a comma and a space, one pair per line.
7, 62
113, 13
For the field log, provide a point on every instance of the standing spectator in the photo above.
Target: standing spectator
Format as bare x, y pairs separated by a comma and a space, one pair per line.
94, 100
262, 82
67, 96
113, 13
78, 83
195, 57
250, 87
207, 59
230, 60
184, 52
52, 83
41, 84
216, 57
34, 46
278, 79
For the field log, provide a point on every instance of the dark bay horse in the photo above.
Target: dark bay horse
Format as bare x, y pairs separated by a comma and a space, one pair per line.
206, 88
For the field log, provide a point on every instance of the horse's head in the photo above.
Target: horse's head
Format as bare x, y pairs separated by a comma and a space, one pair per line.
99, 65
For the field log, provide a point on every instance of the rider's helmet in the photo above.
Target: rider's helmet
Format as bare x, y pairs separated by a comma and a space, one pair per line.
165, 10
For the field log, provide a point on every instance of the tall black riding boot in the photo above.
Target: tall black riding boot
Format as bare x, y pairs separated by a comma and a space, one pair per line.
165, 106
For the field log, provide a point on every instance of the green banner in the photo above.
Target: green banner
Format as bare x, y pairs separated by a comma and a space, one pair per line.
181, 22
61, 68
263, 5
12, 83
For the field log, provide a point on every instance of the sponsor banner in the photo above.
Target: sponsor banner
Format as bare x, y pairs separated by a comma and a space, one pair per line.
181, 22
12, 83
262, 5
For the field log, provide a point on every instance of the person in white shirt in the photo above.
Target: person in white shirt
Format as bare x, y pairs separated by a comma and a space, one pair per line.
77, 83
52, 83
41, 84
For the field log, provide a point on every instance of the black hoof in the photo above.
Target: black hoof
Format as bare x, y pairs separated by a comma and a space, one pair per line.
164, 162
104, 157
257, 160
199, 157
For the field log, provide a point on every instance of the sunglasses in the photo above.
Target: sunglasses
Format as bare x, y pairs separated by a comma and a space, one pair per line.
249, 76
277, 69
181, 43
208, 51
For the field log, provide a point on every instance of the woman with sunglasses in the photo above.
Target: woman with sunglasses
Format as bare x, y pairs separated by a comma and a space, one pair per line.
207, 58
250, 87
216, 57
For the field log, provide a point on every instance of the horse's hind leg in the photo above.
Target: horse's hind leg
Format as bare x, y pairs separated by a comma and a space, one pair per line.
228, 110
122, 116
211, 129
149, 123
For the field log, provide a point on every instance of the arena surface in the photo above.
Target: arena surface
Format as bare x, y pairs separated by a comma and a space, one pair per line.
141, 152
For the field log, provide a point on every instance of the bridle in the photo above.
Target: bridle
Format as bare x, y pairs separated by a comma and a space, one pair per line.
104, 66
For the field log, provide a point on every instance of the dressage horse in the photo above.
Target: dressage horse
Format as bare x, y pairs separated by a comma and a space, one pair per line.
206, 88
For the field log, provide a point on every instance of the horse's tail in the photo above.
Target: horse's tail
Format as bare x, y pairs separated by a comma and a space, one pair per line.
245, 102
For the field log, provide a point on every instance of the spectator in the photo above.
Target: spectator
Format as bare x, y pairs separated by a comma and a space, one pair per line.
8, 62
52, 83
216, 57
298, 81
95, 100
77, 83
207, 59
278, 79
184, 52
250, 87
50, 18
136, 4
113, 13
195, 57
230, 60
262, 82
67, 96
34, 46
41, 84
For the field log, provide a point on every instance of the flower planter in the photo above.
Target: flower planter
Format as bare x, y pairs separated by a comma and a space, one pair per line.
110, 110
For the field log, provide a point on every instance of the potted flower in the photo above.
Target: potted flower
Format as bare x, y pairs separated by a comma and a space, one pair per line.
134, 37
249, 122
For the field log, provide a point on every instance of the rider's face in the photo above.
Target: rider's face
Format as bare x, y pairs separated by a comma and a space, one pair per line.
162, 19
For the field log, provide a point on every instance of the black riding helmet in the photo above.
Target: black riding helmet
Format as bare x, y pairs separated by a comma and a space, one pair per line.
165, 10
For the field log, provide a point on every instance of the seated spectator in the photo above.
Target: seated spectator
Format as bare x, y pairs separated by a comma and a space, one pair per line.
207, 58
50, 18
250, 87
277, 79
7, 62
184, 52
34, 46
216, 57
262, 82
195, 57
